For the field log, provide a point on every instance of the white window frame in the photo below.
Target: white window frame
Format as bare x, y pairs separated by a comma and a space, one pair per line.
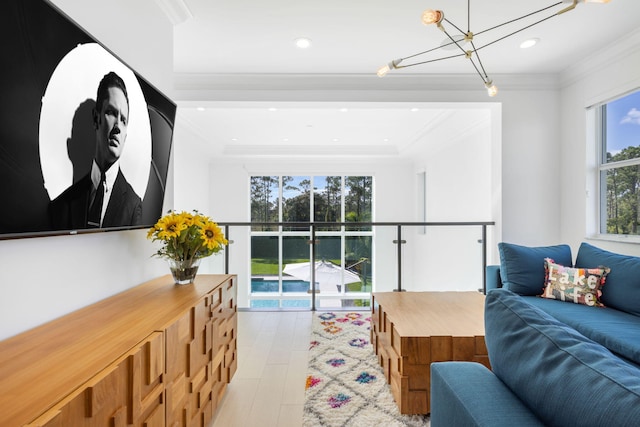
594, 167
342, 233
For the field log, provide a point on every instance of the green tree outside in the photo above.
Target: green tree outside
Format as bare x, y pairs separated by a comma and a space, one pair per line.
623, 193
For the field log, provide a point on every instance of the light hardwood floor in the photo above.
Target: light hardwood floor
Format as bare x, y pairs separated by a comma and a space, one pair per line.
268, 387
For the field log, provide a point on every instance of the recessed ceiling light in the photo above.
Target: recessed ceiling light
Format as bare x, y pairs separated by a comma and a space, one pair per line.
335, 140
303, 42
344, 110
529, 43
234, 139
200, 108
273, 109
415, 109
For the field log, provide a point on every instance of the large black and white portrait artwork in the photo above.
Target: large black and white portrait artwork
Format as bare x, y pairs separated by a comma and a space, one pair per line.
85, 140
68, 138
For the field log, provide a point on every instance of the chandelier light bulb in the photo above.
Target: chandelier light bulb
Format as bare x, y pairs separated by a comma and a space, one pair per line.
492, 90
382, 71
431, 16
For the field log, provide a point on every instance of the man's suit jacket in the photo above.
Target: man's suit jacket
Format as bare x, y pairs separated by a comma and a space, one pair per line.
69, 210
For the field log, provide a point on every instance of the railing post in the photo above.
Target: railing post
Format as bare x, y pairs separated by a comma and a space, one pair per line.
226, 250
484, 259
313, 267
399, 241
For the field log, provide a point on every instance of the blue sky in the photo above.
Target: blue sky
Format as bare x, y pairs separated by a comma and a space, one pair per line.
623, 123
320, 183
287, 194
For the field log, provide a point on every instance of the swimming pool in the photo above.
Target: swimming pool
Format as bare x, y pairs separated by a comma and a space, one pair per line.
294, 303
266, 285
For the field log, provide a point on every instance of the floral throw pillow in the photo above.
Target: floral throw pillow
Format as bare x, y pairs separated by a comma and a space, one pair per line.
577, 285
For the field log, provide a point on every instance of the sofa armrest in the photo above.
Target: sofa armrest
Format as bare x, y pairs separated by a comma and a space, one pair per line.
493, 277
468, 394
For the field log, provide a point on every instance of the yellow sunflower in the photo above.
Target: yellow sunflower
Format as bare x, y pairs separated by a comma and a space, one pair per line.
151, 232
187, 218
220, 237
200, 220
212, 235
170, 227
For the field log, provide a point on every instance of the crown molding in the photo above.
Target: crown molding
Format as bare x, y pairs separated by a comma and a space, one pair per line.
309, 150
599, 59
213, 81
246, 87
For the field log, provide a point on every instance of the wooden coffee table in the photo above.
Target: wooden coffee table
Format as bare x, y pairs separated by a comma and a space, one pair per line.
409, 330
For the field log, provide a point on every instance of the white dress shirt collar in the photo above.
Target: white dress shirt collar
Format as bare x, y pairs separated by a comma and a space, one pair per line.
110, 176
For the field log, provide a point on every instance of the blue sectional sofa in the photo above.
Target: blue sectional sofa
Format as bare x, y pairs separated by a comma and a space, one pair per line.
554, 362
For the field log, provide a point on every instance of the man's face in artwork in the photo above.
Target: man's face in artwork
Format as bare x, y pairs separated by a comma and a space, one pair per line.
110, 121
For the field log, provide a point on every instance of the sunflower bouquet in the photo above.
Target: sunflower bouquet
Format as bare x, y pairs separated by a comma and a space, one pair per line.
187, 237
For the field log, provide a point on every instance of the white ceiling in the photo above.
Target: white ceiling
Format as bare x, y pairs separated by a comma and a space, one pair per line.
255, 39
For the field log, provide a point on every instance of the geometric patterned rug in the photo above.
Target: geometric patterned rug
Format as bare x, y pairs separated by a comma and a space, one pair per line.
345, 384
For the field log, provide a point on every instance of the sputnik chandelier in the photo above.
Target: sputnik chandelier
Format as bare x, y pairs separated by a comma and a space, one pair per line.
458, 40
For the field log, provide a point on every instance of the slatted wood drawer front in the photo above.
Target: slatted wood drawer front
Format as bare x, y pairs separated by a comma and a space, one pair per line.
146, 382
178, 337
224, 344
199, 393
188, 366
128, 392
202, 357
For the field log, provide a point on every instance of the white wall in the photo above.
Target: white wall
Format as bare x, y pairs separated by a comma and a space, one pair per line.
599, 78
192, 175
44, 278
193, 188
458, 189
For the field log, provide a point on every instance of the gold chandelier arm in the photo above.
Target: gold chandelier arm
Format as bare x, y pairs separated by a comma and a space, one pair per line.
484, 80
452, 24
428, 61
516, 31
523, 17
454, 41
483, 74
426, 51
568, 8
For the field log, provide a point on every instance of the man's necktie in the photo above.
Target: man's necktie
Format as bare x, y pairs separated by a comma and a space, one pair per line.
95, 212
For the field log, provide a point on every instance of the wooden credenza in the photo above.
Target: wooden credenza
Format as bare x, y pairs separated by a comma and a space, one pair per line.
155, 355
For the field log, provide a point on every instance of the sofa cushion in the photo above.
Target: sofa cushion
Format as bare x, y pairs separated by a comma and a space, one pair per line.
614, 329
564, 377
577, 285
622, 290
522, 267
492, 277
468, 394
